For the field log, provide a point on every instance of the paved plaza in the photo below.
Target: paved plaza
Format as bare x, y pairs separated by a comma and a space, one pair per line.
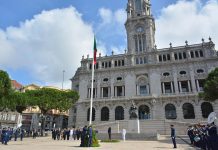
47, 143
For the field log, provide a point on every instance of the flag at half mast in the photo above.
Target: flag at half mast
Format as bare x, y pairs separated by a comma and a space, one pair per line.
95, 52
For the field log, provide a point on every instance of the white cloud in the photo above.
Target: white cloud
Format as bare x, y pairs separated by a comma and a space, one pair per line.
187, 20
106, 15
52, 41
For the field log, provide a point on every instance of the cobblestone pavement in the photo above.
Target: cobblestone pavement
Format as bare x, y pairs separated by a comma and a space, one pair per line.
46, 143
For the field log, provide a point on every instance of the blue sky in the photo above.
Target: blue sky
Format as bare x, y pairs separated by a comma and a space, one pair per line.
40, 38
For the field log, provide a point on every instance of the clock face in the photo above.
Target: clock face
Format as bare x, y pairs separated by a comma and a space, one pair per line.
139, 29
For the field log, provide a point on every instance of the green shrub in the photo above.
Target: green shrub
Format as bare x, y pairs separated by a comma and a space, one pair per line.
110, 141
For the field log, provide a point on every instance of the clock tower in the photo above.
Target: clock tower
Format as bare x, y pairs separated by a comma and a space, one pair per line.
140, 27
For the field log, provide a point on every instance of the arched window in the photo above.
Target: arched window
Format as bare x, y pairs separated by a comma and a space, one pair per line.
138, 6
119, 113
93, 114
206, 109
188, 111
170, 111
104, 114
144, 112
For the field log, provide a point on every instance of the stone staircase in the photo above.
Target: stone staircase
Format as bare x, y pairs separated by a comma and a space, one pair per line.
149, 127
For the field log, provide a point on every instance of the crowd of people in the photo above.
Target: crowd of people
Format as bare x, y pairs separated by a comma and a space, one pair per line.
6, 135
203, 136
66, 134
85, 135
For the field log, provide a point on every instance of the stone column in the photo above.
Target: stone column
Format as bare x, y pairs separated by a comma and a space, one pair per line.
193, 80
115, 91
112, 115
172, 56
180, 87
179, 113
171, 85
123, 91
126, 113
198, 88
175, 82
163, 87
189, 86
198, 112
102, 92
97, 115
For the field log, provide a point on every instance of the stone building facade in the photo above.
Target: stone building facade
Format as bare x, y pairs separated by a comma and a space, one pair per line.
162, 83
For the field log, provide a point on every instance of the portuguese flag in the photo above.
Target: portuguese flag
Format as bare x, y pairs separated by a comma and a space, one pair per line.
95, 51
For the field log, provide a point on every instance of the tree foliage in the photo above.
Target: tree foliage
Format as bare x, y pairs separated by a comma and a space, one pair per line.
211, 87
47, 99
5, 89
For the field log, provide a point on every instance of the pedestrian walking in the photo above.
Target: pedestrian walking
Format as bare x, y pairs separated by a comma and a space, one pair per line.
173, 136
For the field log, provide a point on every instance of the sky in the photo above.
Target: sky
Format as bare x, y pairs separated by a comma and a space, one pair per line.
41, 38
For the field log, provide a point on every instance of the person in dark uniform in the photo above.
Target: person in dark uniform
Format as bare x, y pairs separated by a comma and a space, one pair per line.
213, 138
109, 133
90, 136
173, 136
21, 134
15, 135
83, 135
78, 133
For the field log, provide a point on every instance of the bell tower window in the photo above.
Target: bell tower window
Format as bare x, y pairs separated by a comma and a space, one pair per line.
138, 6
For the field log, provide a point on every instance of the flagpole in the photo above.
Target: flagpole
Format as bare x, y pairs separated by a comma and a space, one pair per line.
90, 116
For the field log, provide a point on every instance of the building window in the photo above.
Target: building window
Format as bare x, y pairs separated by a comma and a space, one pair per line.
93, 114
184, 55
123, 63
105, 79
170, 111
201, 53
184, 86
164, 58
200, 71
180, 56
120, 91
144, 112
160, 58
206, 109
182, 72
143, 90
167, 86
116, 63
168, 56
196, 54
104, 114
145, 60
141, 60
166, 74
175, 56
137, 61
119, 113
192, 54
119, 78
201, 84
105, 92
188, 111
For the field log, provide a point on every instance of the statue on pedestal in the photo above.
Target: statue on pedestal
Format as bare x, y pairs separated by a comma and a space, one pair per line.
133, 111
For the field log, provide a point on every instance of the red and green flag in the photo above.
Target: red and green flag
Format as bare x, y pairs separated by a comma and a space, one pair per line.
95, 51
